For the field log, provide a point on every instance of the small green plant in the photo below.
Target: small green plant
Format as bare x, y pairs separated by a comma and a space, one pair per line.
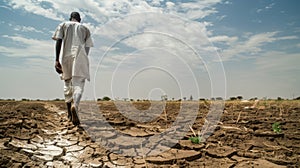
276, 127
195, 140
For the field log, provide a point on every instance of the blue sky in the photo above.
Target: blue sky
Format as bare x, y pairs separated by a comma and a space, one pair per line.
144, 49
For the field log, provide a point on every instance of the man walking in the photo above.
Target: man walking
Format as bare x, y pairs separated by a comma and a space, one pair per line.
74, 67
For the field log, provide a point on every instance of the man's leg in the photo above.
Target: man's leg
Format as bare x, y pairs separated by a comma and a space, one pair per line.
78, 87
68, 92
69, 105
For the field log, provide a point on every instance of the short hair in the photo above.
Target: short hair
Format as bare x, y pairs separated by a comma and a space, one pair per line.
76, 16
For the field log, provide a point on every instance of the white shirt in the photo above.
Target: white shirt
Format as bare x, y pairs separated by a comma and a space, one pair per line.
75, 38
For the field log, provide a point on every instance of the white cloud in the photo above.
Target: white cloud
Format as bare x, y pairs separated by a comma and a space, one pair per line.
152, 30
167, 25
288, 38
156, 2
277, 61
268, 7
170, 5
5, 7
35, 8
260, 39
196, 9
259, 10
102, 11
252, 45
223, 38
227, 2
220, 18
29, 47
27, 29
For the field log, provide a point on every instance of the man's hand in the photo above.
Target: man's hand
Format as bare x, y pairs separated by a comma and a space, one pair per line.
58, 67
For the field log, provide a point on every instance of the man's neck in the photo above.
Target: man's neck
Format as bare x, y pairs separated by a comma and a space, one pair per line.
74, 20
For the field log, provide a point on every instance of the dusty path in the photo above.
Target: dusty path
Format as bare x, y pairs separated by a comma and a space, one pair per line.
38, 134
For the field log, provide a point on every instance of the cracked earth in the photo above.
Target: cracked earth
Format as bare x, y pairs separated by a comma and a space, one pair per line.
38, 134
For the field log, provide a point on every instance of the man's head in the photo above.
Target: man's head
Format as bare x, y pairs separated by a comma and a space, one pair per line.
76, 16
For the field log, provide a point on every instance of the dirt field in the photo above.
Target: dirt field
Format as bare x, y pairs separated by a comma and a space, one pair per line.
38, 134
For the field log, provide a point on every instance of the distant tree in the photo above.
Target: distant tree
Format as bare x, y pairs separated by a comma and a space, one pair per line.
212, 98
219, 98
173, 98
106, 98
233, 98
99, 99
279, 98
131, 99
179, 100
239, 97
254, 98
164, 97
191, 98
184, 98
202, 99
298, 98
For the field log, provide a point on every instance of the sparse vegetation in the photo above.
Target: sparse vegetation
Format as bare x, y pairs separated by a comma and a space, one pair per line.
195, 140
106, 98
276, 127
239, 97
219, 98
254, 98
233, 98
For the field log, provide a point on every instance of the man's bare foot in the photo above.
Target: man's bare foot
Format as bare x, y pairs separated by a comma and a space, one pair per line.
69, 111
75, 118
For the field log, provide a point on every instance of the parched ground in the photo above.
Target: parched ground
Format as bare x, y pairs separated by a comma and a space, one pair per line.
38, 134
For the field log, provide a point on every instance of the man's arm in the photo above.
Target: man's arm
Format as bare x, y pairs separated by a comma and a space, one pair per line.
58, 67
88, 41
58, 48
